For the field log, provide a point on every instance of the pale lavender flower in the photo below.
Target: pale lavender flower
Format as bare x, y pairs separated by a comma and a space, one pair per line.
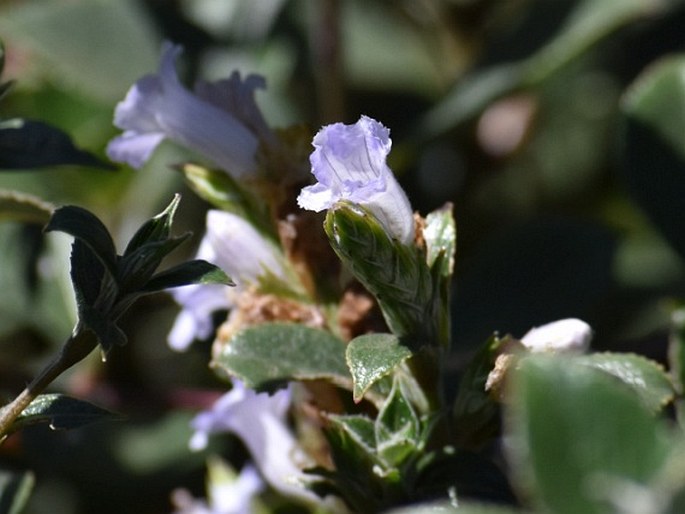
349, 163
566, 335
218, 128
240, 250
226, 493
259, 420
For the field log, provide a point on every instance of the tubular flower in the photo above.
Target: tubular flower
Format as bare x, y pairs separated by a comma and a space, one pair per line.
259, 420
349, 163
565, 335
238, 248
227, 493
218, 127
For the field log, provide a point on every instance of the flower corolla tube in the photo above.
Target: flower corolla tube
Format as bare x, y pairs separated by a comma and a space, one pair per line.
349, 163
234, 245
259, 420
221, 122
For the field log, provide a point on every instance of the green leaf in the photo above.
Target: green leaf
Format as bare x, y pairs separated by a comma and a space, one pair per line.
84, 225
61, 412
578, 436
440, 234
476, 413
397, 275
274, 352
25, 208
647, 378
27, 144
360, 428
15, 490
371, 357
218, 188
676, 357
154, 230
397, 428
136, 268
653, 145
191, 272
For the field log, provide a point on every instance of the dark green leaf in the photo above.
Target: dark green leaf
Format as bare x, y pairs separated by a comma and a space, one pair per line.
578, 436
15, 490
25, 208
61, 412
273, 352
104, 326
88, 276
155, 229
34, 144
136, 268
191, 272
653, 146
476, 413
84, 225
647, 378
371, 357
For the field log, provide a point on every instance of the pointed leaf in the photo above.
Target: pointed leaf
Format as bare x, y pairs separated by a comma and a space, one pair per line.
360, 428
191, 272
155, 229
15, 490
577, 436
84, 225
440, 234
397, 428
647, 378
282, 351
476, 413
88, 276
371, 357
25, 208
34, 144
61, 412
136, 268
105, 328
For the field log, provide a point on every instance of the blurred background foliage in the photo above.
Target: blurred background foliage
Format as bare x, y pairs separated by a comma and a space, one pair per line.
555, 127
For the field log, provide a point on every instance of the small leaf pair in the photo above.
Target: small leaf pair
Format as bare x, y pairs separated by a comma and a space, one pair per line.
107, 284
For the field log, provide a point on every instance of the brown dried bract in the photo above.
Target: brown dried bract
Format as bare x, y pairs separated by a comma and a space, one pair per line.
358, 313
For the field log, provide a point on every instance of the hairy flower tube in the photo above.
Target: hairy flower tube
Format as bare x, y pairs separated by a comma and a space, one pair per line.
564, 335
349, 163
259, 420
218, 127
237, 247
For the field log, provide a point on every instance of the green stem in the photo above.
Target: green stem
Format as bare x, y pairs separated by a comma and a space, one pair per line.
75, 349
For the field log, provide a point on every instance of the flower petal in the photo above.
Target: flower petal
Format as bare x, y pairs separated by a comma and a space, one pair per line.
559, 336
349, 162
159, 104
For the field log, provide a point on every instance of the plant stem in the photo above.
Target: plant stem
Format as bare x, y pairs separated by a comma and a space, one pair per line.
75, 349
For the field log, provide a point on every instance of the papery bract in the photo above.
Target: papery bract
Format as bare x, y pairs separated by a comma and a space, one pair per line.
259, 420
237, 247
559, 336
158, 107
349, 163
